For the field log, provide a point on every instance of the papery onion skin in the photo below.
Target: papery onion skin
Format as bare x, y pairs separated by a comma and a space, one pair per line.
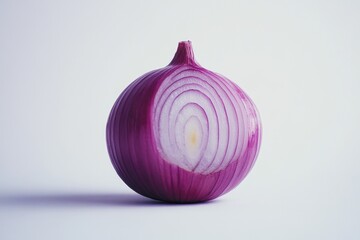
137, 142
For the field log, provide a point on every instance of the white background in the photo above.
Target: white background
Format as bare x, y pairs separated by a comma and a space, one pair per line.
64, 63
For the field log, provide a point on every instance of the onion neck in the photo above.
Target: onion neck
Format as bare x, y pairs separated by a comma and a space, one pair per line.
184, 54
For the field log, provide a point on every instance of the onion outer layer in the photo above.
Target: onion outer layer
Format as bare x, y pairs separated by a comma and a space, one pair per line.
183, 133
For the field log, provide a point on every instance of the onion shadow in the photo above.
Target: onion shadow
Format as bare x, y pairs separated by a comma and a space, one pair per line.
82, 199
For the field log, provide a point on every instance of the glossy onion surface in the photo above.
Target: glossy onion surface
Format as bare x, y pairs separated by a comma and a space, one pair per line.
183, 133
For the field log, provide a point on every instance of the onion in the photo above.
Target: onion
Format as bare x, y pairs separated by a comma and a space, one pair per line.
183, 133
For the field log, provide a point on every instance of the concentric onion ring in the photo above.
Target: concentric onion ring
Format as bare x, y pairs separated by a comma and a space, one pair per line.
198, 121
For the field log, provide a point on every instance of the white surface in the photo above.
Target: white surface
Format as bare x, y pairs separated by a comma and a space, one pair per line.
63, 64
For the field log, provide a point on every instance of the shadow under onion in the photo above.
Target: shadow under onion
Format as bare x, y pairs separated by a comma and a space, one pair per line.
84, 199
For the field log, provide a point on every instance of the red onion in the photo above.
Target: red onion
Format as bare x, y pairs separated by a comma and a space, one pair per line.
183, 133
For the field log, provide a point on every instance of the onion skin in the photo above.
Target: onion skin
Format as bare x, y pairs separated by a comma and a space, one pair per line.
140, 160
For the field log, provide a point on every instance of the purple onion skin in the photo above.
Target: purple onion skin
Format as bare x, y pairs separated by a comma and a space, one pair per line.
134, 152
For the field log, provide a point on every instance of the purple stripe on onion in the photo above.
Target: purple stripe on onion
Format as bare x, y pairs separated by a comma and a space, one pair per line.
183, 133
